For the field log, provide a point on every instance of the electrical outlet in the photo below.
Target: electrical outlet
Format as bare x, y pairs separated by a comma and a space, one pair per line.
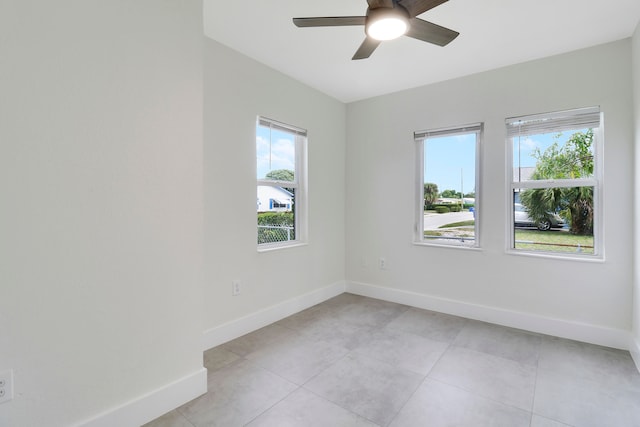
6, 386
382, 263
235, 288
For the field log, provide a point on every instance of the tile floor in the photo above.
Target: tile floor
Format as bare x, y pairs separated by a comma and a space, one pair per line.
357, 361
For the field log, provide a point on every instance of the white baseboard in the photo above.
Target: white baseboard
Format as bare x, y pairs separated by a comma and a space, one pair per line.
238, 327
609, 337
150, 406
634, 349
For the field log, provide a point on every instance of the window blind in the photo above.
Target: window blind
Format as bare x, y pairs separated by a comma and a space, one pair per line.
553, 122
272, 124
422, 135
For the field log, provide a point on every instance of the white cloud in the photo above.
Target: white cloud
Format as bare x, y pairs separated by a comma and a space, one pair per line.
280, 156
528, 144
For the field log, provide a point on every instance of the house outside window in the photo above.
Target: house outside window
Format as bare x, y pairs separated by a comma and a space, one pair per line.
555, 172
447, 188
281, 190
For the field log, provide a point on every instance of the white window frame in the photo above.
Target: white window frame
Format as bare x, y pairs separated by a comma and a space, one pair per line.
420, 137
557, 121
299, 184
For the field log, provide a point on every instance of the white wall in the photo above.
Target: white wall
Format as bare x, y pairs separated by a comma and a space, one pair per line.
237, 90
101, 256
381, 159
635, 345
102, 214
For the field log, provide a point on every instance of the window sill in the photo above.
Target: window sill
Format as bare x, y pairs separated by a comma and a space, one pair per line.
278, 246
558, 256
437, 245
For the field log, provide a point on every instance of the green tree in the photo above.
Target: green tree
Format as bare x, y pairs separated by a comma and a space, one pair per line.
430, 193
572, 160
280, 175
451, 194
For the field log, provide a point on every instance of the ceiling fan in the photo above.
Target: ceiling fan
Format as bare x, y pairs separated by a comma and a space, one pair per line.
387, 20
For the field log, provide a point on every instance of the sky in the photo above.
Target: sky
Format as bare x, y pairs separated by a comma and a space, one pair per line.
450, 163
277, 154
528, 144
450, 158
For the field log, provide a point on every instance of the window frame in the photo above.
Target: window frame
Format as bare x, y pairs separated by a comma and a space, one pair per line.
420, 137
299, 183
558, 121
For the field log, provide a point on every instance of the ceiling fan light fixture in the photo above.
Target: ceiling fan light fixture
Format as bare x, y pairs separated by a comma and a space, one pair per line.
387, 20
387, 24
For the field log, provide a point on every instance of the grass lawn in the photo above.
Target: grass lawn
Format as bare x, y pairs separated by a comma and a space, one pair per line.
553, 241
534, 240
462, 229
459, 224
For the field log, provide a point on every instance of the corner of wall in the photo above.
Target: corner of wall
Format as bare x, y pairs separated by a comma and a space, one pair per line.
634, 349
238, 327
635, 64
149, 406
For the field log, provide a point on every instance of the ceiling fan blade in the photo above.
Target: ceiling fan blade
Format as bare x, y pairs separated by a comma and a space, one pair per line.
366, 48
374, 4
417, 7
430, 33
336, 21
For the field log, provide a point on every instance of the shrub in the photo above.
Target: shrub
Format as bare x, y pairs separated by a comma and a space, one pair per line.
275, 227
451, 207
275, 218
442, 209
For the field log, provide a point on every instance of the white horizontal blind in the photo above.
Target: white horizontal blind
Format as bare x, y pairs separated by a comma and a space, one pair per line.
472, 128
272, 124
294, 197
553, 122
471, 146
570, 121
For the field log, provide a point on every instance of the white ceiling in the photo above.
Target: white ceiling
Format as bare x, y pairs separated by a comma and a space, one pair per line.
493, 34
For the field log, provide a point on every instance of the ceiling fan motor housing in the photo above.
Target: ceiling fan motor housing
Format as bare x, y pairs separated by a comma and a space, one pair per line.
386, 23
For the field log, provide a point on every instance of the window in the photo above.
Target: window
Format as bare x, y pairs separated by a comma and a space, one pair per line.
280, 160
447, 190
555, 185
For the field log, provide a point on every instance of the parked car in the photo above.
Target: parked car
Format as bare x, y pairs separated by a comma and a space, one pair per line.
522, 219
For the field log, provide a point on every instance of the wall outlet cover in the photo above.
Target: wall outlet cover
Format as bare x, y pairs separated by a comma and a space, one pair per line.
6, 386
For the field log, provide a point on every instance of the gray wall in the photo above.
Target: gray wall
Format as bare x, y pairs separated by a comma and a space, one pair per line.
121, 232
237, 90
381, 158
635, 347
101, 192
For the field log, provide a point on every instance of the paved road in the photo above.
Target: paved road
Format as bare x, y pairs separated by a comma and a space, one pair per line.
434, 220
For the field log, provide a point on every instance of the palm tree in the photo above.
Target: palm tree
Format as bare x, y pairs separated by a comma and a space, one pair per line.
430, 193
573, 160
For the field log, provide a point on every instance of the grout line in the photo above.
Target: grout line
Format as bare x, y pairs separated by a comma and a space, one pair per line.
449, 345
187, 419
475, 393
480, 396
340, 406
407, 401
270, 407
332, 310
535, 383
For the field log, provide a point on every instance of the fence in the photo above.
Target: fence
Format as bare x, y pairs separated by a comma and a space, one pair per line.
275, 233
